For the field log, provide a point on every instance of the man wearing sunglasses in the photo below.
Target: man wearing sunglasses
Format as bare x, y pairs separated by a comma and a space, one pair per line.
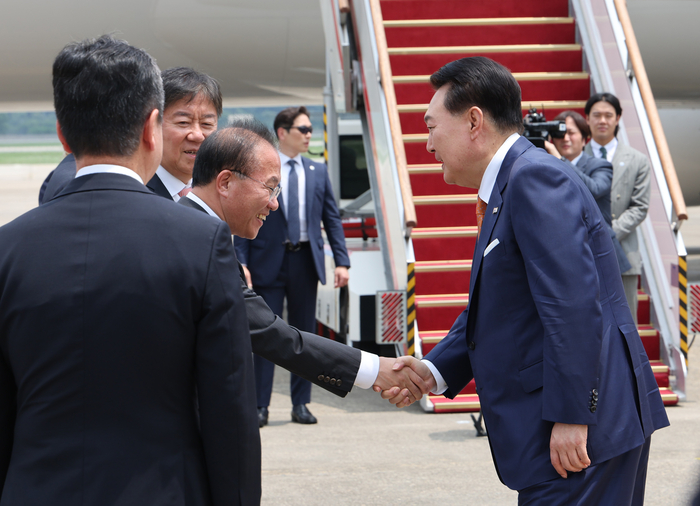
286, 260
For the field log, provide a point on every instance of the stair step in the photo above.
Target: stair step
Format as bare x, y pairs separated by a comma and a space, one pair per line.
650, 340
484, 49
443, 300
538, 85
668, 396
435, 232
443, 276
442, 265
541, 60
519, 76
422, 200
657, 366
484, 31
462, 403
411, 115
419, 9
478, 22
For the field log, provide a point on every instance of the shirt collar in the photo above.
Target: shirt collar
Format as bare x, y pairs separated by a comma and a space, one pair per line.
171, 183
494, 166
575, 160
108, 169
203, 204
284, 159
609, 147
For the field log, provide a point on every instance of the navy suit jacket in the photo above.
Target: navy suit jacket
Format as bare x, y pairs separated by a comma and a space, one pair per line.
116, 308
547, 335
264, 254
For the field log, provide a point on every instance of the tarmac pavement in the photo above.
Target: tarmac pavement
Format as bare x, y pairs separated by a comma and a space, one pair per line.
364, 451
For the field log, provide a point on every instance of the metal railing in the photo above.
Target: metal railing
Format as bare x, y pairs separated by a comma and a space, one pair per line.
640, 74
394, 121
608, 54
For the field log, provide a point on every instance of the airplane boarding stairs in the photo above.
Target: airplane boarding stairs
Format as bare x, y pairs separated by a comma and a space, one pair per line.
539, 43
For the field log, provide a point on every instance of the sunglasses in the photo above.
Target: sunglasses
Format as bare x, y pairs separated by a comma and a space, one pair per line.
304, 129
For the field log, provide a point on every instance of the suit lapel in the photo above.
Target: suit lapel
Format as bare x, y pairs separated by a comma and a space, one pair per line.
309, 174
495, 207
620, 163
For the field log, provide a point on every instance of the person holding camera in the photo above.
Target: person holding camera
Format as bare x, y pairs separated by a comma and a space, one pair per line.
596, 173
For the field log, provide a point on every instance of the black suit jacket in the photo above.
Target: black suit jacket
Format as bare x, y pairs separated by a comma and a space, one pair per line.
116, 307
326, 363
157, 187
57, 179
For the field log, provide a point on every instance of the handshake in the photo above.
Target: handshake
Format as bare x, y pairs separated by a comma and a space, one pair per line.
403, 380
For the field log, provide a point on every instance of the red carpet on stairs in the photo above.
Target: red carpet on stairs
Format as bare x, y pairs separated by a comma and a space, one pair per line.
537, 42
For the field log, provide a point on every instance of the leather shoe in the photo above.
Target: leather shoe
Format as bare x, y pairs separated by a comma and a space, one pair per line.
301, 414
262, 417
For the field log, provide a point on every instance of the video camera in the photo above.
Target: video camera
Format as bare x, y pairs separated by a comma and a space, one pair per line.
537, 129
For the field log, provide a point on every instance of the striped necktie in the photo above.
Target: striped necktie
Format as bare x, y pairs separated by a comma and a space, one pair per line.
480, 211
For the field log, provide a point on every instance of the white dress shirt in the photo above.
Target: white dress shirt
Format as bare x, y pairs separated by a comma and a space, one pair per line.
610, 148
301, 179
172, 184
108, 169
369, 363
487, 183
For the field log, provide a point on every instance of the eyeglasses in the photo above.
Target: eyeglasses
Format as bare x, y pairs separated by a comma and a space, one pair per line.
303, 129
274, 192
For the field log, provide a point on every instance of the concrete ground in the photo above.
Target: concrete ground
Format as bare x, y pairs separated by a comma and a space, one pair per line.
364, 451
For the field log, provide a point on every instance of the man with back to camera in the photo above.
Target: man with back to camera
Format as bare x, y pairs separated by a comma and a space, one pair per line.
286, 260
631, 184
125, 361
236, 179
193, 105
565, 386
191, 98
595, 173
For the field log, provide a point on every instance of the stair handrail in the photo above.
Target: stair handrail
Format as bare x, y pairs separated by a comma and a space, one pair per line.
635, 57
394, 120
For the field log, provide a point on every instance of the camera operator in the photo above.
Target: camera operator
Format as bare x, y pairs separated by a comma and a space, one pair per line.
596, 173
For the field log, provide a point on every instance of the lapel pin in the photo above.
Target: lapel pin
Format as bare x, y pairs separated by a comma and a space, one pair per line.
311, 167
495, 210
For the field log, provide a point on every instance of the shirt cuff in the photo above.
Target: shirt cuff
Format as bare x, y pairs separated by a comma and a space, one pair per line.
368, 371
440, 385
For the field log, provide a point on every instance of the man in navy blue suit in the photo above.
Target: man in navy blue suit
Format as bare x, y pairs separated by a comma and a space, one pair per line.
286, 260
566, 389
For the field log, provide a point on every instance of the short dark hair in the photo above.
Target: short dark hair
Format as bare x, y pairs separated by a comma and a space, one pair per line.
186, 83
104, 91
578, 119
605, 97
285, 118
232, 148
481, 82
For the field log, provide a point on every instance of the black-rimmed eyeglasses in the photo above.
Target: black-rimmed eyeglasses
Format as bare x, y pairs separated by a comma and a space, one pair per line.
274, 192
303, 129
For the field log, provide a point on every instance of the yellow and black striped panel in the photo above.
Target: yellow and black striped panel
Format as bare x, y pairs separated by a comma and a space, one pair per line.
411, 309
683, 306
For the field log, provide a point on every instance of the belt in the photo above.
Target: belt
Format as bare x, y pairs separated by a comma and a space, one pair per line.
298, 246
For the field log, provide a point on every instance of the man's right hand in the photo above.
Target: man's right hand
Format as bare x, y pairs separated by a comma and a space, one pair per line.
402, 397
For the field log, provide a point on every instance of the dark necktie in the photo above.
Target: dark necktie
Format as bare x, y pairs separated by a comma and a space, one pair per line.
480, 211
293, 228
603, 153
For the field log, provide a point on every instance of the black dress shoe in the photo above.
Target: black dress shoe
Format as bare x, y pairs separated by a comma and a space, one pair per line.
262, 416
301, 414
